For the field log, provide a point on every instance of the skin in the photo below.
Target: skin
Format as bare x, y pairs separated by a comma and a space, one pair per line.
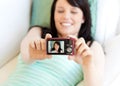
68, 20
56, 47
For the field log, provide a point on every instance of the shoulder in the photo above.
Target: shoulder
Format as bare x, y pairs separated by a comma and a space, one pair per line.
98, 51
96, 45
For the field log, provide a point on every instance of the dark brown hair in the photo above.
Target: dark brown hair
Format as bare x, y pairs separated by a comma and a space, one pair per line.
58, 43
85, 29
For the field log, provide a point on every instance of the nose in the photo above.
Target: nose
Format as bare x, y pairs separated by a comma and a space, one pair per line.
66, 15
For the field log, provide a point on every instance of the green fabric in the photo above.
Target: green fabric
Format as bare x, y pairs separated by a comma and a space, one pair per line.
57, 71
41, 13
93, 8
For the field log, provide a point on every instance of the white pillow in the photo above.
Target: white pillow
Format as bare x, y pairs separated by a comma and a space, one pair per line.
107, 19
118, 29
14, 22
112, 64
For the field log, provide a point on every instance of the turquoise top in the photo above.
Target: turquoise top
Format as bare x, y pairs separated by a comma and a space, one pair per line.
57, 71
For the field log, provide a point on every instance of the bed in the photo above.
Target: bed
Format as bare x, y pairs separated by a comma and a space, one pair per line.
107, 32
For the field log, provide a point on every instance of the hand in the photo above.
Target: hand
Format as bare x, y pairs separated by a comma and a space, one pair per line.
37, 48
83, 53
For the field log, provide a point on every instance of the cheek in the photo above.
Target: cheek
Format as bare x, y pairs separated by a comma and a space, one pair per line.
56, 17
78, 23
79, 18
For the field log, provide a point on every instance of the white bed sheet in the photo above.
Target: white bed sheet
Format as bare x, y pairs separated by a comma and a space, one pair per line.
7, 69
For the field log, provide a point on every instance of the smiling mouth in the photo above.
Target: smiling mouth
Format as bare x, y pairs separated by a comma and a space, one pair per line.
66, 24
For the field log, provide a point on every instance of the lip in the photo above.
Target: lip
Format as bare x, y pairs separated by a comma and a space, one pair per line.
66, 24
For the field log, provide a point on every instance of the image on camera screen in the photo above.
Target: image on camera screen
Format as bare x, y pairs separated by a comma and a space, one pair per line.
57, 46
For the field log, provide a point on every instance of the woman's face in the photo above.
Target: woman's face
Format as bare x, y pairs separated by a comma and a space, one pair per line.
68, 19
56, 46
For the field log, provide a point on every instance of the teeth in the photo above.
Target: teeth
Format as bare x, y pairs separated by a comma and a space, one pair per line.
66, 24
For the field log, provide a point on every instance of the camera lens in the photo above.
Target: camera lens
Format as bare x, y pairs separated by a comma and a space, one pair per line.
69, 49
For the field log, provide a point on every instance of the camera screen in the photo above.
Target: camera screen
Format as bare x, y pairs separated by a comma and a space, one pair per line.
60, 46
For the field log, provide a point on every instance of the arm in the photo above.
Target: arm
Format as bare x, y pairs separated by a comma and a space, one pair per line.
33, 34
94, 71
33, 47
92, 61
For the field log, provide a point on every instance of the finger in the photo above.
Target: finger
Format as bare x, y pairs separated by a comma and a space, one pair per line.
49, 56
79, 42
87, 53
77, 59
48, 36
43, 44
82, 48
32, 45
38, 45
71, 57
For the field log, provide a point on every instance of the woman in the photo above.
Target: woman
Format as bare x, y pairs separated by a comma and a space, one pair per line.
56, 47
69, 18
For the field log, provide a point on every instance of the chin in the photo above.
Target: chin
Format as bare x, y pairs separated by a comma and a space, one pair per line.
65, 35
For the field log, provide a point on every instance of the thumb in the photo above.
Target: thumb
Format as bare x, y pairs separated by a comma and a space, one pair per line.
48, 36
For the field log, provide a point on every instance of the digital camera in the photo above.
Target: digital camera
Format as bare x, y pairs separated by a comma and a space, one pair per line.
60, 46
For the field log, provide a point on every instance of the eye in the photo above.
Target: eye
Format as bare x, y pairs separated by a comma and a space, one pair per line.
60, 11
74, 12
